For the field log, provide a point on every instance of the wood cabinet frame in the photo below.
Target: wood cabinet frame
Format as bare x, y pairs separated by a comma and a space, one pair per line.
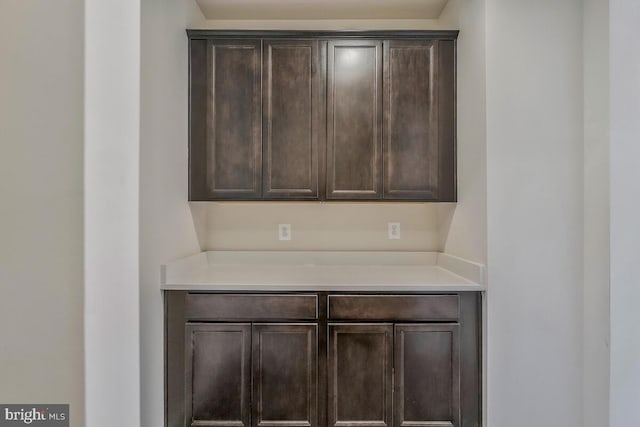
320, 183
466, 327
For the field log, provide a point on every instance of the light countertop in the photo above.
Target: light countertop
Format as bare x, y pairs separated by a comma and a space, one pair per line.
323, 271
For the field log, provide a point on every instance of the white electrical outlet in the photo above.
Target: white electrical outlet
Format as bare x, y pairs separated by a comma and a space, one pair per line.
284, 231
394, 230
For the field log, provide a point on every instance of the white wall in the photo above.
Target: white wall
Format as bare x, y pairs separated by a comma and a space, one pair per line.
41, 65
111, 111
596, 213
467, 234
166, 227
321, 226
534, 187
325, 24
625, 212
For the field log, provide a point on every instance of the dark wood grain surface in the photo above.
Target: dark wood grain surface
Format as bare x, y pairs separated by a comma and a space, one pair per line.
174, 358
360, 374
218, 375
394, 307
293, 119
233, 119
354, 120
411, 158
427, 375
319, 115
198, 90
203, 307
285, 366
447, 180
471, 359
218, 372
196, 34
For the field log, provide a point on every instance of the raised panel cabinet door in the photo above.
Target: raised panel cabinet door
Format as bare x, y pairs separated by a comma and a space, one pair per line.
218, 377
360, 363
427, 375
354, 120
293, 118
226, 119
419, 120
285, 375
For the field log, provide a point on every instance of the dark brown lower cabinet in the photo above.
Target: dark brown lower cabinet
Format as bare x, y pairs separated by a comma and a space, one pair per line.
223, 360
360, 374
427, 375
218, 375
285, 366
307, 361
426, 372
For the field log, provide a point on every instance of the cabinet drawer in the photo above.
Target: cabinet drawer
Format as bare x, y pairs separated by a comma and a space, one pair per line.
203, 307
394, 307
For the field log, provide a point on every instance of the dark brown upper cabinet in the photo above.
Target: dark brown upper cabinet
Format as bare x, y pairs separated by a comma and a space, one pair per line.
293, 119
354, 113
302, 115
226, 119
419, 120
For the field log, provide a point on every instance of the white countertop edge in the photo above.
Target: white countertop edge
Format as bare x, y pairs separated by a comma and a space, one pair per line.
180, 274
346, 287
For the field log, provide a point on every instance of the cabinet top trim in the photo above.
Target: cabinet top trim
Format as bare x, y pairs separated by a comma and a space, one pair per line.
353, 34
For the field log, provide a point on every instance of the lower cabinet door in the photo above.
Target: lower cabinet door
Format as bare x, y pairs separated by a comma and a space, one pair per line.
285, 375
360, 363
427, 375
218, 375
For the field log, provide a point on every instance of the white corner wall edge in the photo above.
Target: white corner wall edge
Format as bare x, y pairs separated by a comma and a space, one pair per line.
624, 213
595, 369
534, 245
111, 228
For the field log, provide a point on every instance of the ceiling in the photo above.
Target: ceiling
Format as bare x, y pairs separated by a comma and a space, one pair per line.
320, 9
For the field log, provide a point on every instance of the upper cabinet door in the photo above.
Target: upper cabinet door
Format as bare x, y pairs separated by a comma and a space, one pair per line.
354, 120
226, 119
419, 120
293, 118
